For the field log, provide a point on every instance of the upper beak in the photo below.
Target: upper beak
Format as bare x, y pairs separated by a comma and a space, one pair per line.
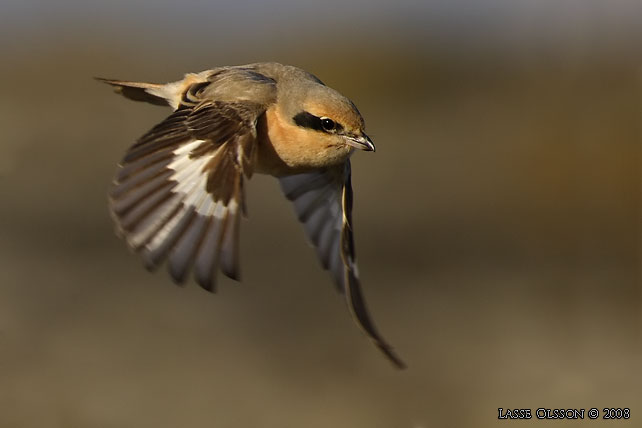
362, 142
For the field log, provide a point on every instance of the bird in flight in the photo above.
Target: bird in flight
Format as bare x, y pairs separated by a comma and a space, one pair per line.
178, 194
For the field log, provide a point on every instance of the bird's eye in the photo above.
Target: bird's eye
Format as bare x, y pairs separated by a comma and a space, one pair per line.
328, 124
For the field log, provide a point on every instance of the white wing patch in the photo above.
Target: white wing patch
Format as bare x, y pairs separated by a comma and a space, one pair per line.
191, 176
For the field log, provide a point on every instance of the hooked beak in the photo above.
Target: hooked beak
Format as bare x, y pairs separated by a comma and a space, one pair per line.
362, 142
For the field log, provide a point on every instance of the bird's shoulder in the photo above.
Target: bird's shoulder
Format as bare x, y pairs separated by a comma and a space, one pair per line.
283, 73
257, 83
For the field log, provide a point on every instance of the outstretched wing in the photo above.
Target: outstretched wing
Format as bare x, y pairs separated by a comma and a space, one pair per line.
178, 192
323, 203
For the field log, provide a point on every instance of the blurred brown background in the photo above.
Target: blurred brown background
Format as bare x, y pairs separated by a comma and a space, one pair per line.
498, 223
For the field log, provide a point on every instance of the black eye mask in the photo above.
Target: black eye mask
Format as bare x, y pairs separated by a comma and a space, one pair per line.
310, 121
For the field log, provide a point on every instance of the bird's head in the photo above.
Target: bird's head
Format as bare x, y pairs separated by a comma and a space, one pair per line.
312, 126
331, 119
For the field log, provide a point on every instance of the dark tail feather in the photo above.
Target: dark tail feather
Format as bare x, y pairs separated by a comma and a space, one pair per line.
137, 91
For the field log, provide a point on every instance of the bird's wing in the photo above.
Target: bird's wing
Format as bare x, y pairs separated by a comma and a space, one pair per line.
323, 203
178, 192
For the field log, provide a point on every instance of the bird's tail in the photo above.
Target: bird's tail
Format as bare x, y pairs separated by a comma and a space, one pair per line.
169, 94
139, 91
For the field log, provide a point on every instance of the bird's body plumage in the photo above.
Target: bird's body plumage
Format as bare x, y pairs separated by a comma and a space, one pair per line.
179, 191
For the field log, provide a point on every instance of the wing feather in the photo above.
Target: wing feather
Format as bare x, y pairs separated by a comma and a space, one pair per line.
323, 203
207, 258
178, 194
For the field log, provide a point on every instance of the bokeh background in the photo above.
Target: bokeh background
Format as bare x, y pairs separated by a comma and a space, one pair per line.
498, 224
